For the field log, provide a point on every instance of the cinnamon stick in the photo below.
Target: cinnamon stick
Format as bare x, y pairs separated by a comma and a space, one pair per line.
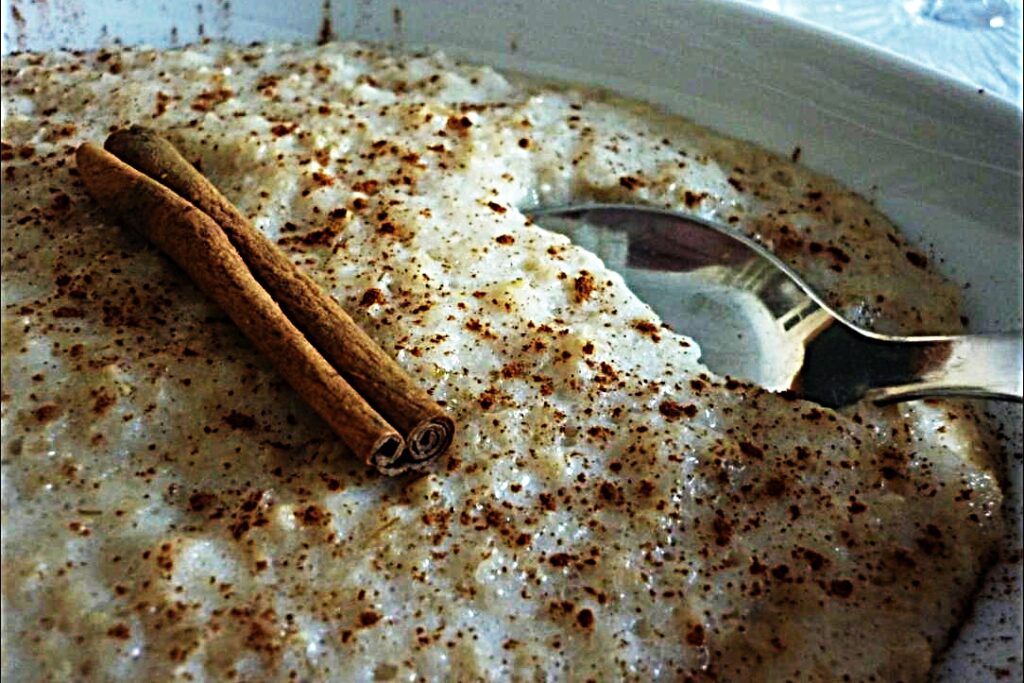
427, 429
197, 244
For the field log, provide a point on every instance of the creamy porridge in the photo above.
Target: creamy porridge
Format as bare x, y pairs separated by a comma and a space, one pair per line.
608, 510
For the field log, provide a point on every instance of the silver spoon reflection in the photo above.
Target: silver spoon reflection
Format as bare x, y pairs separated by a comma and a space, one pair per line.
756, 319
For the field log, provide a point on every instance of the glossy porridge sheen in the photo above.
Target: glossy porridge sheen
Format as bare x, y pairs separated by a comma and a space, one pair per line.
609, 508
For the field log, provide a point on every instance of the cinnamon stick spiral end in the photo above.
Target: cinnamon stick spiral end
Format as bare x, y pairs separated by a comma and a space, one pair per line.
389, 456
430, 438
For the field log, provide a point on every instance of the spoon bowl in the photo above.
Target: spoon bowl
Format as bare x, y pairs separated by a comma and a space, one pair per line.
756, 319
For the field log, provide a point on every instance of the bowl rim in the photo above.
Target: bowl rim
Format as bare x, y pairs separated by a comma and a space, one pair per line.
897, 62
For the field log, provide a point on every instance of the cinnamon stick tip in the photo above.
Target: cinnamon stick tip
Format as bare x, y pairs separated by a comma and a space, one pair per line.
387, 448
94, 167
134, 131
86, 152
431, 437
139, 145
390, 456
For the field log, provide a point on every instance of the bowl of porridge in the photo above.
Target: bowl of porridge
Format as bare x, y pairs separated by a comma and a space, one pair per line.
609, 509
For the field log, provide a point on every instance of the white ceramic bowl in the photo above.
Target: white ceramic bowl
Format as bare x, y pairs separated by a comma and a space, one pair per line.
940, 158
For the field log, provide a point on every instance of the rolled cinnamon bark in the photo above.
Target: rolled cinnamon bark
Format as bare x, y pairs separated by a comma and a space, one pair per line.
198, 245
427, 429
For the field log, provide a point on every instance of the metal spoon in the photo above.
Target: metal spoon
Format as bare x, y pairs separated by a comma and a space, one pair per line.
756, 319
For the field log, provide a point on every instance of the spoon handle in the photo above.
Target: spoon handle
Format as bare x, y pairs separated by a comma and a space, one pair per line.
977, 365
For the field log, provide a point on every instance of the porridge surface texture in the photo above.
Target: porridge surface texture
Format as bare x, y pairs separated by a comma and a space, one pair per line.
609, 508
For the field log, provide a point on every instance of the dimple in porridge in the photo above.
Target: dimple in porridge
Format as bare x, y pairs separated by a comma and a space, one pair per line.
609, 509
